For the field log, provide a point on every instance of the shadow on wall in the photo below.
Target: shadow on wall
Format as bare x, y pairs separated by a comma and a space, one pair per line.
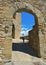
13, 31
34, 37
25, 48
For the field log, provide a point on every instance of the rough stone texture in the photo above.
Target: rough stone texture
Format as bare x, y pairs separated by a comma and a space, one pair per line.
7, 51
5, 34
17, 26
8, 9
34, 39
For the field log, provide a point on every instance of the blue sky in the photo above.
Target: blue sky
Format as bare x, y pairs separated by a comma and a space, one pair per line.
27, 22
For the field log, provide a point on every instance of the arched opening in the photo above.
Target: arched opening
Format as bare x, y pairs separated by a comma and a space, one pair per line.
33, 42
27, 23
17, 15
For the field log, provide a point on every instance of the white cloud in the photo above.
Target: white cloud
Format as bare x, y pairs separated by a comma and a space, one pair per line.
24, 31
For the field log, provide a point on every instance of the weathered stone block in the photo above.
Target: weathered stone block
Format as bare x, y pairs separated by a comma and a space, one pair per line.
7, 52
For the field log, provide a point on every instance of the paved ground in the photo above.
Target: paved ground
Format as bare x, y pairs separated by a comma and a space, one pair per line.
23, 52
26, 63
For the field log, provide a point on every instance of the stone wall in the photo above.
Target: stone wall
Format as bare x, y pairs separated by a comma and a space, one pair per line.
33, 36
5, 35
17, 25
34, 39
8, 9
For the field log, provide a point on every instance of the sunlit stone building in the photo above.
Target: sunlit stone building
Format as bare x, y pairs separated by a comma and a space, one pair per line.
10, 19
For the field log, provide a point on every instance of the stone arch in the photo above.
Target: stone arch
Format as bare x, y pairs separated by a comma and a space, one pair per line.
39, 21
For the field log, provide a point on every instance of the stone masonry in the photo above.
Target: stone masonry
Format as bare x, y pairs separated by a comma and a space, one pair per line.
8, 9
17, 26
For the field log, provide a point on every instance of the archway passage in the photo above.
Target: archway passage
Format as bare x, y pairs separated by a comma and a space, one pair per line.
33, 42
17, 18
27, 22
25, 47
33, 36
